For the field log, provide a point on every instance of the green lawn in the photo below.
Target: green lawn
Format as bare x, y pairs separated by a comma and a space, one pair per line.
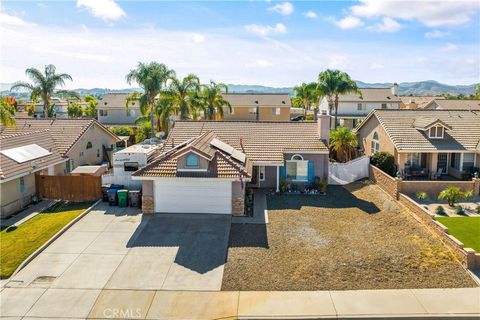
16, 244
465, 229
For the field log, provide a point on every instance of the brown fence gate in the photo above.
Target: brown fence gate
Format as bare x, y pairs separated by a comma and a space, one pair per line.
72, 188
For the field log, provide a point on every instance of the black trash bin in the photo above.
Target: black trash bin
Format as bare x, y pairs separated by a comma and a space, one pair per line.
105, 187
112, 197
134, 198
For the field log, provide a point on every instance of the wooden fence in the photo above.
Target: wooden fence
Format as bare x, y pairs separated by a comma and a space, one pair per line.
71, 188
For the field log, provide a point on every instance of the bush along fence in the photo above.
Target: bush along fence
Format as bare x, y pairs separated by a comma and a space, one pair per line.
395, 186
469, 258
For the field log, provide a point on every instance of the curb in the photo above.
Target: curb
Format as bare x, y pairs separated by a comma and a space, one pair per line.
55, 237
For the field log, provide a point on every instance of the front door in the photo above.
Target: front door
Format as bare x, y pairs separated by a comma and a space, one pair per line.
442, 162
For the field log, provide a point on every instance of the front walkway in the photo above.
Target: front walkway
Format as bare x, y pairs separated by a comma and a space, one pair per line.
27, 214
260, 213
141, 304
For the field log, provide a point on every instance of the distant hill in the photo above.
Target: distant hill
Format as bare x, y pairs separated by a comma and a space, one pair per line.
429, 87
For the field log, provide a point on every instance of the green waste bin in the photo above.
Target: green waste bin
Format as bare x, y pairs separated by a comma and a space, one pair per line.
122, 197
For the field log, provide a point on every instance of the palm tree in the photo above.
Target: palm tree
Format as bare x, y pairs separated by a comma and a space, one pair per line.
343, 142
164, 109
7, 113
304, 93
44, 84
152, 78
451, 194
182, 93
334, 83
213, 101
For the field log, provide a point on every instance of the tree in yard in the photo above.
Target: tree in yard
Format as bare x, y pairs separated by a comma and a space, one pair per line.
182, 93
451, 194
304, 94
91, 108
163, 110
384, 161
334, 83
343, 143
122, 131
44, 84
7, 112
74, 110
213, 101
152, 78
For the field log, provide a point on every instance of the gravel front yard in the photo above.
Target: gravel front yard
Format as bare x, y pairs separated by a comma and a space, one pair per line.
353, 238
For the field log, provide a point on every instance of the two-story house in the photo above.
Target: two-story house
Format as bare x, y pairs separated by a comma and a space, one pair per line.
353, 107
258, 106
112, 110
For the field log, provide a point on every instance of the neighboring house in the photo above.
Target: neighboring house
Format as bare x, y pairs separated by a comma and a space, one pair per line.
60, 107
206, 165
353, 108
112, 110
258, 106
22, 156
413, 102
439, 141
443, 104
81, 141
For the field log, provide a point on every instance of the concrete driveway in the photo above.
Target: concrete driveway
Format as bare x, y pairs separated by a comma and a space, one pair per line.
117, 248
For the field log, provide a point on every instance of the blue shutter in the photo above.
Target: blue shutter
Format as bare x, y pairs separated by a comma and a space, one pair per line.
311, 171
283, 170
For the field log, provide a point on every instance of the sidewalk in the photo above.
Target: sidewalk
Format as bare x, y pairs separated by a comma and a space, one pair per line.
143, 304
27, 214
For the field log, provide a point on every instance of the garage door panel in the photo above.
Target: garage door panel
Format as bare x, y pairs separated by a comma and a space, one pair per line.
193, 196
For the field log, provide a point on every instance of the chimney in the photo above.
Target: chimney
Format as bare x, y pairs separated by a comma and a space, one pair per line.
395, 89
323, 126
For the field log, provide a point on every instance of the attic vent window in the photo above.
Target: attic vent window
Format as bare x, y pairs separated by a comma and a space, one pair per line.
436, 132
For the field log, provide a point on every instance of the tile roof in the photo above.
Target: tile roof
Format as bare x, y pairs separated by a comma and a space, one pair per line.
10, 168
221, 164
454, 104
264, 99
371, 95
64, 132
421, 101
260, 141
464, 132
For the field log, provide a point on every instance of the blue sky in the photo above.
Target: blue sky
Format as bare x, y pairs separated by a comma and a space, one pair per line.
244, 42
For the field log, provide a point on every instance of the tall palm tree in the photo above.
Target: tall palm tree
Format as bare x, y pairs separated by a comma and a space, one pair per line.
164, 109
182, 93
44, 84
213, 101
7, 112
334, 83
343, 142
152, 78
304, 92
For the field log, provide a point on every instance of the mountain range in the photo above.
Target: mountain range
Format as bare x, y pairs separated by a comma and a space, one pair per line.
420, 88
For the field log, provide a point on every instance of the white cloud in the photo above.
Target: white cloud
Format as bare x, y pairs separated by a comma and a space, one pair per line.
107, 10
311, 14
285, 8
450, 47
263, 30
431, 13
259, 63
387, 25
196, 37
435, 34
376, 66
349, 22
10, 20
338, 62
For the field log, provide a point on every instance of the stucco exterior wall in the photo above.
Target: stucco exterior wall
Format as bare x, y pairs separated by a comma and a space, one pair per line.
351, 108
13, 198
270, 178
265, 114
118, 116
365, 136
320, 162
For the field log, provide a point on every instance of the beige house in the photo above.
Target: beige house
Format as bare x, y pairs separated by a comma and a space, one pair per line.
206, 166
414, 102
112, 111
22, 156
443, 104
258, 106
426, 144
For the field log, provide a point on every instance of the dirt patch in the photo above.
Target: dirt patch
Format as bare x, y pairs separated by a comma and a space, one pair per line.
354, 238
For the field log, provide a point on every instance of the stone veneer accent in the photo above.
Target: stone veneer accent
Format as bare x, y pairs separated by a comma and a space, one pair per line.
148, 205
238, 206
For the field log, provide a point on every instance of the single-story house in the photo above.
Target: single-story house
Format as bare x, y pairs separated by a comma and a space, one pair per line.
258, 106
438, 141
81, 141
206, 166
22, 156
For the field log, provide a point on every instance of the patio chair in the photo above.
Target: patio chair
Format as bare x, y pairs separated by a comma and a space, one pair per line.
438, 173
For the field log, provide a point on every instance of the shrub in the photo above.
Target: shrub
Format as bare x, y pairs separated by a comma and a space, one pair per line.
283, 185
309, 117
478, 209
421, 195
384, 161
323, 185
451, 194
440, 211
459, 210
122, 131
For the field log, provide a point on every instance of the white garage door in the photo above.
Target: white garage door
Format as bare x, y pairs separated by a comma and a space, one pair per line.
193, 196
